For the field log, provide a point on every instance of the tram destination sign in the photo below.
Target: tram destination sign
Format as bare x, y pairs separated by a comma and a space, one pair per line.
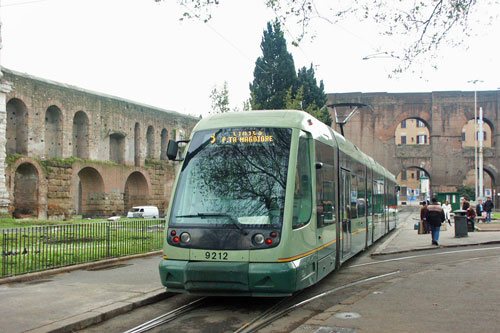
242, 136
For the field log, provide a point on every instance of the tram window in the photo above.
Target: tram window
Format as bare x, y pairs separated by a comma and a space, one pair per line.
325, 184
302, 201
354, 197
361, 197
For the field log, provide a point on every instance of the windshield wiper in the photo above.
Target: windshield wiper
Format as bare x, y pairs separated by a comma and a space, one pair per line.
232, 219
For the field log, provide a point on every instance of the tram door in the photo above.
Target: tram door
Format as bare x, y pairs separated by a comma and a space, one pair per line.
345, 212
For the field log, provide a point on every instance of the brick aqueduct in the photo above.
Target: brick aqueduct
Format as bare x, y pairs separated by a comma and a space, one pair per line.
444, 158
72, 151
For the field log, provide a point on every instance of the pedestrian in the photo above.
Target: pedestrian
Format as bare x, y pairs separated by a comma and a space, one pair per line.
471, 215
479, 209
488, 207
423, 219
465, 204
447, 211
435, 216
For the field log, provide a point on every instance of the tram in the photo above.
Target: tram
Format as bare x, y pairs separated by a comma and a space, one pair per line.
266, 203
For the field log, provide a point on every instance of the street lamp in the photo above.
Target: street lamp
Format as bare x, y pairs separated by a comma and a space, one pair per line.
474, 82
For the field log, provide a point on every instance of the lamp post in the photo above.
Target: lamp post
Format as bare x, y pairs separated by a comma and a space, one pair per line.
474, 82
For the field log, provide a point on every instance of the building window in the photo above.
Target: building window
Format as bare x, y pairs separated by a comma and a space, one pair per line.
403, 124
403, 139
422, 139
463, 136
403, 175
484, 136
403, 191
413, 175
420, 123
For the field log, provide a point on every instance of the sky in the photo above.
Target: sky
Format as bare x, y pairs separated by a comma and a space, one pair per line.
140, 50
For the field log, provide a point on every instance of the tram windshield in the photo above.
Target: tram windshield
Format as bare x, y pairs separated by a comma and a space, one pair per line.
233, 177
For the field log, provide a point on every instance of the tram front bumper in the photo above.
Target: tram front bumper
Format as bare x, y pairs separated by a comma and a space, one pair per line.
228, 278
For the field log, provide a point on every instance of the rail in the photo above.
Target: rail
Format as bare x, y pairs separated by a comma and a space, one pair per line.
38, 248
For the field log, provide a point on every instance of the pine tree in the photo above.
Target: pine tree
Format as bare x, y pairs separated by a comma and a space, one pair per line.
274, 72
313, 97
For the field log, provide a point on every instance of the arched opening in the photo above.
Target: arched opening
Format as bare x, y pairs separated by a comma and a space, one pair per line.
468, 134
415, 185
150, 137
488, 182
136, 191
90, 194
53, 132
17, 127
412, 131
164, 142
81, 135
26, 191
117, 148
137, 144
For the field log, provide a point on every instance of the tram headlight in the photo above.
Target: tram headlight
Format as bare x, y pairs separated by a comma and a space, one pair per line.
258, 239
185, 237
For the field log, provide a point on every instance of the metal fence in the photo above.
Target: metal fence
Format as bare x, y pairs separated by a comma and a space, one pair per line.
33, 249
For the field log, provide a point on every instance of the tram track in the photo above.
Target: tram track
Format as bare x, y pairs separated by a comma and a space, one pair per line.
284, 306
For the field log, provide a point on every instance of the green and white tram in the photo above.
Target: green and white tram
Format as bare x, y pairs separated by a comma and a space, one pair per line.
266, 203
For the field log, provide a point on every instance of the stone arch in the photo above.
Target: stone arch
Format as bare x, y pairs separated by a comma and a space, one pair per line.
53, 132
90, 194
17, 127
137, 144
150, 142
117, 148
468, 133
488, 177
164, 142
26, 190
415, 183
81, 135
412, 131
137, 191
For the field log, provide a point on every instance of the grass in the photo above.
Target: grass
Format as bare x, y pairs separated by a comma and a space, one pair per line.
37, 245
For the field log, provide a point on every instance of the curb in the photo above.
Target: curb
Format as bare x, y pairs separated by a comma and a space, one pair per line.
99, 315
434, 247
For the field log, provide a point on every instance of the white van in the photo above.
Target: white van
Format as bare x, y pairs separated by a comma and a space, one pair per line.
147, 212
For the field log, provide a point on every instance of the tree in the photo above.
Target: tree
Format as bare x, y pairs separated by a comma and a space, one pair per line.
274, 72
313, 94
424, 25
309, 97
466, 192
220, 100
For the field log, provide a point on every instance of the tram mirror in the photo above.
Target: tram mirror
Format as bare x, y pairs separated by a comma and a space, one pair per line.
172, 150
398, 188
318, 165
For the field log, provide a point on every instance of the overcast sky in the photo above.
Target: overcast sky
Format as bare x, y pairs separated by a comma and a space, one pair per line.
139, 50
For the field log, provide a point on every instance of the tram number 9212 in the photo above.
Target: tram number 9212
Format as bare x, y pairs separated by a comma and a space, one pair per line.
216, 255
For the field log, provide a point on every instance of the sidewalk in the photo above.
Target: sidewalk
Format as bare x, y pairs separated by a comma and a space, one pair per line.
69, 301
73, 300
405, 238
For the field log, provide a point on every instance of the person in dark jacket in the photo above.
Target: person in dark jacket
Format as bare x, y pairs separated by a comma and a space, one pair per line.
423, 220
479, 208
435, 216
465, 204
488, 207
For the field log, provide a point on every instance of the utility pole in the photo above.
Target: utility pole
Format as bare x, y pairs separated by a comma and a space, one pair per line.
474, 82
480, 139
